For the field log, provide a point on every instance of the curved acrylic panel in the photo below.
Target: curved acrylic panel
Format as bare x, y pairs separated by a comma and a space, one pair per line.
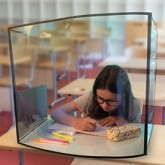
57, 61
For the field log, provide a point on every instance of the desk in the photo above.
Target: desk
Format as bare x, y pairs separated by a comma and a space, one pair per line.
19, 79
143, 41
8, 141
141, 51
133, 63
5, 60
81, 86
87, 145
156, 149
155, 155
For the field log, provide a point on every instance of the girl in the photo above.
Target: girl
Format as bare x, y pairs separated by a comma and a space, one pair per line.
110, 103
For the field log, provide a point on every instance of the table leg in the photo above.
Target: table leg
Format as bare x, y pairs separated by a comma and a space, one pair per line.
78, 64
12, 107
21, 158
163, 122
56, 99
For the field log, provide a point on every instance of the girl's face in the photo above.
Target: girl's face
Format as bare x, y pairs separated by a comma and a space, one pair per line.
107, 100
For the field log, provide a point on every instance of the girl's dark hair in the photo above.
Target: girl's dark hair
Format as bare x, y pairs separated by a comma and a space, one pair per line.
114, 79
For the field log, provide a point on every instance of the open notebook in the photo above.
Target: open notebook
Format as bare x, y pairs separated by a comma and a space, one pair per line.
99, 131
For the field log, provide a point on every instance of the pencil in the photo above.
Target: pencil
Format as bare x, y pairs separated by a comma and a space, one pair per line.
79, 108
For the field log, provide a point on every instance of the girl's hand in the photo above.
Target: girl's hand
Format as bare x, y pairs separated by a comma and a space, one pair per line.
112, 120
86, 124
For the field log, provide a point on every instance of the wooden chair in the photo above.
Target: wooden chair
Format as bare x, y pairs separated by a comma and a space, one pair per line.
58, 57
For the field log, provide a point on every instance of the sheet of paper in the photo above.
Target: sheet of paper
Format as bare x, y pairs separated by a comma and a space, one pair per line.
62, 127
99, 131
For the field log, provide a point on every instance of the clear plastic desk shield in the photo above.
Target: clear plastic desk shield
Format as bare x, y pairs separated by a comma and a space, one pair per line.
47, 56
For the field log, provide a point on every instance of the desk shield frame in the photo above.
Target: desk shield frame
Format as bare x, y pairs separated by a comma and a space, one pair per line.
30, 43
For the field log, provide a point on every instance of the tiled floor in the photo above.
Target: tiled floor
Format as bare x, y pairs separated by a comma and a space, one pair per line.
12, 158
5, 121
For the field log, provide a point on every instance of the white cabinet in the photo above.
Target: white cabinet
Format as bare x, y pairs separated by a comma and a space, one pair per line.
4, 12
64, 8
135, 6
81, 7
97, 6
116, 6
25, 11
15, 11
48, 9
155, 7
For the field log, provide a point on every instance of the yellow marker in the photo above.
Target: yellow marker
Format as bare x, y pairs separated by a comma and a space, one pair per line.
66, 137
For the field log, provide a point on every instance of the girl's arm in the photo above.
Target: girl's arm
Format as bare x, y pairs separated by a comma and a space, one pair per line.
64, 114
112, 120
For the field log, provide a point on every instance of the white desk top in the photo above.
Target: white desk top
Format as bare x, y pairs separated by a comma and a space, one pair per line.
132, 63
9, 141
48, 48
5, 60
77, 87
143, 41
156, 149
87, 145
155, 155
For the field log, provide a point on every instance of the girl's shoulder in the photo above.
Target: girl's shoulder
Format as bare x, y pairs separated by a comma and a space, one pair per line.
138, 101
87, 96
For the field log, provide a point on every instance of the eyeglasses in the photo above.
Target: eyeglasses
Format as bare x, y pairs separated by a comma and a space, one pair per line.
109, 102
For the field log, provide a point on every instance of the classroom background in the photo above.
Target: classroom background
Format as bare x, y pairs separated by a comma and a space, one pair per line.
17, 12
